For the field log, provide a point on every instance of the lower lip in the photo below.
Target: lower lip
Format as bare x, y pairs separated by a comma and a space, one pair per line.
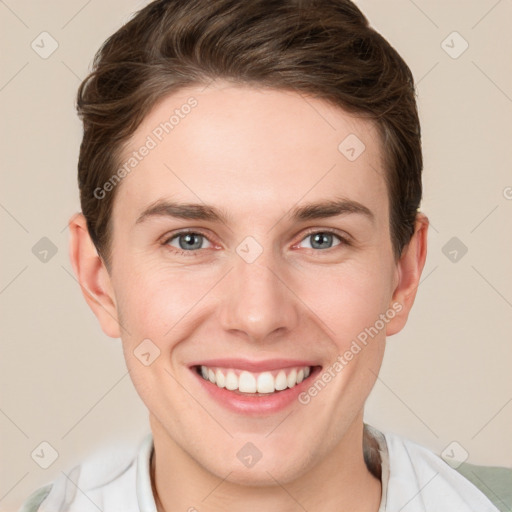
256, 405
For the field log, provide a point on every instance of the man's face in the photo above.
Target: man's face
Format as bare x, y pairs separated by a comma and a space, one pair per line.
263, 289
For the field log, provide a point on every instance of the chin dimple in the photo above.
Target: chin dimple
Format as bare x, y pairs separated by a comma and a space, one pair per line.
250, 382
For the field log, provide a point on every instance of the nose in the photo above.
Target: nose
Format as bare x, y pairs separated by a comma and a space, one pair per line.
257, 302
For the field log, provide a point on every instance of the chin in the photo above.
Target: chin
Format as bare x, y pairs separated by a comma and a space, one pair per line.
269, 470
260, 477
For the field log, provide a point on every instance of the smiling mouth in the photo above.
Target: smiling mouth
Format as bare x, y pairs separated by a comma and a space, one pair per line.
257, 384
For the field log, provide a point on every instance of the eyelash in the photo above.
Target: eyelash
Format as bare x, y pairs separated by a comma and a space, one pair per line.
196, 252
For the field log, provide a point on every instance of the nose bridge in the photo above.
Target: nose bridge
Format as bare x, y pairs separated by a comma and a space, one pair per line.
256, 301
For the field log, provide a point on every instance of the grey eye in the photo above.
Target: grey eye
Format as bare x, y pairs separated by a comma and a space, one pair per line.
322, 240
188, 241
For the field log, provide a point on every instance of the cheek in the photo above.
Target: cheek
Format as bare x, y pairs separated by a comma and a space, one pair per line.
348, 299
155, 301
155, 306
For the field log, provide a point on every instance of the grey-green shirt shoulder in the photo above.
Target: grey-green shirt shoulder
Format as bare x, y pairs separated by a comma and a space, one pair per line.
34, 501
495, 482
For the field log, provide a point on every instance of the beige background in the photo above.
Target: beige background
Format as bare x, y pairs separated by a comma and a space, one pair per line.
445, 378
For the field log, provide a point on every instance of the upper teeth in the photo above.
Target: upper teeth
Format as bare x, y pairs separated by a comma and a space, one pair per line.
248, 382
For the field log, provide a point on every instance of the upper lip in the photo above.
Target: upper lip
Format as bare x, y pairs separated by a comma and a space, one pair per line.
252, 365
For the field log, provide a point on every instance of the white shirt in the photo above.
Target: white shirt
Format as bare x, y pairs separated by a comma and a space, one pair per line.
413, 480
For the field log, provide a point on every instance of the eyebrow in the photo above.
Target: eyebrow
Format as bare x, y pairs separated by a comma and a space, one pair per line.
310, 211
332, 208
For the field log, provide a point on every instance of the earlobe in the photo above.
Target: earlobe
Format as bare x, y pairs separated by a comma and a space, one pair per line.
409, 269
93, 277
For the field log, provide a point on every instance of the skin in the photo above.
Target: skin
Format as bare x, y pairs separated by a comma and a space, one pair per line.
255, 155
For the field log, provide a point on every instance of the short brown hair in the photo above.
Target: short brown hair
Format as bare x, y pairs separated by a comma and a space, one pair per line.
323, 48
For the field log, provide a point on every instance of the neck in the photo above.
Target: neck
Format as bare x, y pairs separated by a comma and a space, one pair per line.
341, 481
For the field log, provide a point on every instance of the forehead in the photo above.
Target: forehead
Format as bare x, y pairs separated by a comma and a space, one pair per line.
242, 147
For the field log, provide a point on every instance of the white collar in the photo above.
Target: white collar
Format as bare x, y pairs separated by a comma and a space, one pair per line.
145, 496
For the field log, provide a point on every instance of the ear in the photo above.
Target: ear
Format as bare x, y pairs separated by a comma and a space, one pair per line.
93, 276
408, 273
